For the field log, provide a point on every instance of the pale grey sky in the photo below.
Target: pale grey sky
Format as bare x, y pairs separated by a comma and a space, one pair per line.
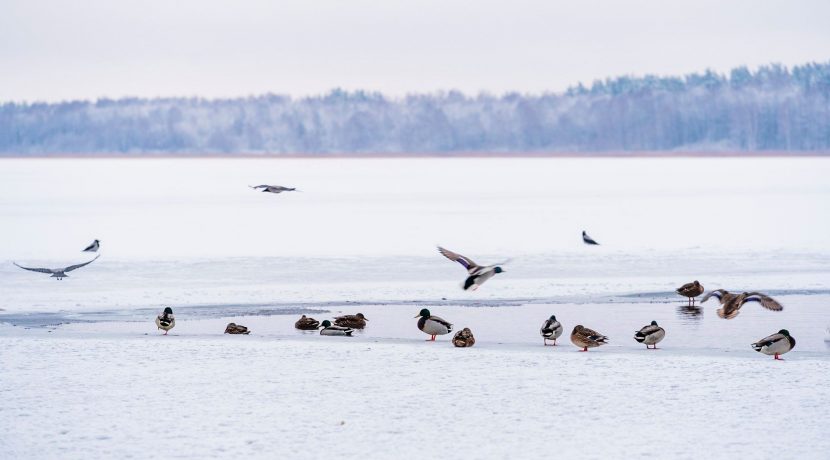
56, 50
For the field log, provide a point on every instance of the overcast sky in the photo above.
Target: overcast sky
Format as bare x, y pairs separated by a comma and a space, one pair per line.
56, 50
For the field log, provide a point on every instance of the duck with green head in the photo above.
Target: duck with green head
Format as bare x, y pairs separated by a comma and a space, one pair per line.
775, 344
166, 320
551, 330
650, 335
328, 329
432, 325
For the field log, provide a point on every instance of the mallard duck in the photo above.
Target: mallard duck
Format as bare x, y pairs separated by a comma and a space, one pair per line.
166, 321
587, 338
432, 325
731, 303
357, 321
464, 338
650, 335
551, 330
273, 188
776, 344
587, 239
328, 329
307, 324
690, 290
234, 328
477, 274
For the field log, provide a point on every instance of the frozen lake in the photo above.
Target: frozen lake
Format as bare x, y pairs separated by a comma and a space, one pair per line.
361, 236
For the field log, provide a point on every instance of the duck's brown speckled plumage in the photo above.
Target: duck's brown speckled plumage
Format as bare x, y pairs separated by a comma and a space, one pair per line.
234, 328
357, 321
587, 338
691, 290
731, 303
307, 324
464, 338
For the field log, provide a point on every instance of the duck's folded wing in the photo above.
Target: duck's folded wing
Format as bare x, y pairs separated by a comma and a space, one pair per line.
767, 302
39, 270
438, 319
769, 340
455, 257
647, 330
73, 267
716, 293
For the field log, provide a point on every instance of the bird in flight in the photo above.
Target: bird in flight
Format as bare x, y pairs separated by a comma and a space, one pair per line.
59, 273
274, 188
587, 239
477, 274
93, 247
731, 303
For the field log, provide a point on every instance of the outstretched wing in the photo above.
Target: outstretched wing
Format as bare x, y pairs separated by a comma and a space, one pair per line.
259, 186
767, 302
719, 293
39, 270
73, 267
465, 261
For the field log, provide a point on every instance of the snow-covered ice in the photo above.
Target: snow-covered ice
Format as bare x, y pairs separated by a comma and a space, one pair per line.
83, 373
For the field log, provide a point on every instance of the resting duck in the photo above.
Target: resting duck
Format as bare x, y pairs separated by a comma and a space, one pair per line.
731, 303
357, 321
432, 325
587, 338
328, 329
776, 344
650, 335
477, 274
690, 290
234, 328
551, 330
464, 338
166, 321
307, 324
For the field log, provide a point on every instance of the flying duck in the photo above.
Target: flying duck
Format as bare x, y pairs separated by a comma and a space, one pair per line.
166, 320
650, 335
776, 344
93, 247
477, 274
357, 321
731, 303
234, 328
328, 329
587, 338
274, 188
307, 324
59, 273
464, 338
587, 239
551, 330
432, 325
690, 290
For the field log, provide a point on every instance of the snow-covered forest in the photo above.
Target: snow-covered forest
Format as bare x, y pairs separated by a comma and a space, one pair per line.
770, 108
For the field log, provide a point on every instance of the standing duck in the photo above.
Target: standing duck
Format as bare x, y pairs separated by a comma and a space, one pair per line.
357, 321
690, 290
650, 335
551, 330
307, 324
234, 328
464, 338
477, 274
731, 303
166, 320
587, 338
432, 325
328, 329
776, 344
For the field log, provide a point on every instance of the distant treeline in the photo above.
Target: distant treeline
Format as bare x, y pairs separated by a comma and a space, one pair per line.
771, 108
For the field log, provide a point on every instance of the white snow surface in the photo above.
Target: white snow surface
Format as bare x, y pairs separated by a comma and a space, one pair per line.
84, 374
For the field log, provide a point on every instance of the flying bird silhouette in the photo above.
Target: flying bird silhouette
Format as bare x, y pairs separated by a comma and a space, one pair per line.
478, 274
587, 239
59, 273
274, 188
93, 247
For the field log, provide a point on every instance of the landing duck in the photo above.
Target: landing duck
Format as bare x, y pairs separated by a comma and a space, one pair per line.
307, 324
776, 344
432, 325
328, 329
551, 330
478, 274
731, 303
357, 321
234, 328
464, 338
690, 290
166, 321
587, 338
650, 335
